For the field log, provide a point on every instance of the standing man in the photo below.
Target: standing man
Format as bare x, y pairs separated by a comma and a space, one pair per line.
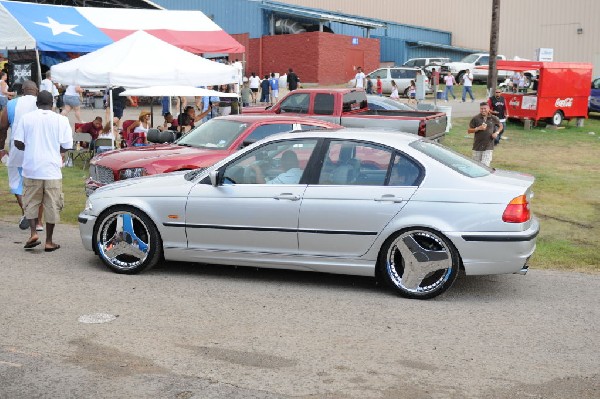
467, 81
49, 86
497, 105
359, 78
11, 116
43, 136
486, 128
292, 80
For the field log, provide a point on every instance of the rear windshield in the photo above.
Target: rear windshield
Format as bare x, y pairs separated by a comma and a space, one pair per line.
215, 133
453, 160
354, 100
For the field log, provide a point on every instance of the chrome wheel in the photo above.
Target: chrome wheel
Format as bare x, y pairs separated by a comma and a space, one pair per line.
127, 241
420, 263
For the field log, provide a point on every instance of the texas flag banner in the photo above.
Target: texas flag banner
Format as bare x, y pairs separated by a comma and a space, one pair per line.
85, 29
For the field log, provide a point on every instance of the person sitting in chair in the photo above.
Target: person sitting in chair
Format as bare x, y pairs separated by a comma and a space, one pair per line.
138, 130
170, 123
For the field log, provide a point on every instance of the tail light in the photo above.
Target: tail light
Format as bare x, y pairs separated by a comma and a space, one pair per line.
517, 210
422, 128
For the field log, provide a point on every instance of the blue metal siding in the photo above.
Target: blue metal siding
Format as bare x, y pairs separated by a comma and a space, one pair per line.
233, 16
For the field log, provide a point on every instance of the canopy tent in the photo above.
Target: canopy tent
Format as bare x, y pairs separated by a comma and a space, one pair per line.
176, 91
85, 29
127, 63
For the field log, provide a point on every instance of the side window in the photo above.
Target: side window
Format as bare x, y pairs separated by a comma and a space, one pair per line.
281, 162
419, 63
354, 100
355, 163
596, 84
263, 131
296, 103
409, 63
485, 60
323, 104
383, 73
405, 172
396, 73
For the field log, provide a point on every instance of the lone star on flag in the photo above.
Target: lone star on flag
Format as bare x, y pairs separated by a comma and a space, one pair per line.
58, 28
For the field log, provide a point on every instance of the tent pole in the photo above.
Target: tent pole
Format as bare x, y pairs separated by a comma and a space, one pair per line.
112, 114
39, 66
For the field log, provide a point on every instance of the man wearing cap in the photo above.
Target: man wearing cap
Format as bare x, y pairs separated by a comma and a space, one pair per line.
43, 136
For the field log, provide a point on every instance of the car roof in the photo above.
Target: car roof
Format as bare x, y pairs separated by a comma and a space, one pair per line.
389, 137
253, 118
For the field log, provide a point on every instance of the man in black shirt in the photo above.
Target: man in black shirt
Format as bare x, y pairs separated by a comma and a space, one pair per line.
292, 80
498, 108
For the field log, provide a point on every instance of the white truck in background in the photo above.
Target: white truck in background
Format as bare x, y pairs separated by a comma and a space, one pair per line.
471, 62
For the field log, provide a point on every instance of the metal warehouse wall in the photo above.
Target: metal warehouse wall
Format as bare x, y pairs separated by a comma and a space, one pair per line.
524, 25
234, 16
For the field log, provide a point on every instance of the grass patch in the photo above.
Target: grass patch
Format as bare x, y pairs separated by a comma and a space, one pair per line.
565, 163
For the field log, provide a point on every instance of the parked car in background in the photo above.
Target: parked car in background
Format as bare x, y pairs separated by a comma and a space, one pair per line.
594, 101
471, 62
385, 103
424, 62
401, 75
349, 108
397, 207
201, 147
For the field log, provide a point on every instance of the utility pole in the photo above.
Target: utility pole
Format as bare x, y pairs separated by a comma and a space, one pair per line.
494, 35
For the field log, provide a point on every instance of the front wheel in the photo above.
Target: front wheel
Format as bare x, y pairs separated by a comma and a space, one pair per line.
418, 263
557, 118
127, 240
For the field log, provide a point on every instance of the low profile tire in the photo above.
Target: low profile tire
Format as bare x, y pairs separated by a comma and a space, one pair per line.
418, 263
127, 240
557, 118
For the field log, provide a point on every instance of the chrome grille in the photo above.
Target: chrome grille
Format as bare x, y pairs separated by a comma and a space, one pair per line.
101, 174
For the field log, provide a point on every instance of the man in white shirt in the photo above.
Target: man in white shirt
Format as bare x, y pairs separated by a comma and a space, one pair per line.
254, 82
291, 170
49, 86
43, 136
467, 81
359, 78
11, 115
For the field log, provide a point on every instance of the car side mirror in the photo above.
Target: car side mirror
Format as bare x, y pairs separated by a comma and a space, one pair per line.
478, 63
214, 178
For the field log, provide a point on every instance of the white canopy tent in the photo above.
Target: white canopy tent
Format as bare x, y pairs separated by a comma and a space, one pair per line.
141, 60
176, 91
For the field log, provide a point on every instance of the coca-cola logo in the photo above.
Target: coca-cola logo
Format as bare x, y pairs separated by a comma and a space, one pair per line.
567, 102
514, 102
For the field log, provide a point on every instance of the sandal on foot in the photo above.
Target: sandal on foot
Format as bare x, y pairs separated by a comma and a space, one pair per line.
52, 249
31, 244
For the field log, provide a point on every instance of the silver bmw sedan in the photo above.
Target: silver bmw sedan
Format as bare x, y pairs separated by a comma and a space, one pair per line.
391, 205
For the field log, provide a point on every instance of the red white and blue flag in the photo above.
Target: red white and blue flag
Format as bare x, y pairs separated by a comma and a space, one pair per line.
85, 29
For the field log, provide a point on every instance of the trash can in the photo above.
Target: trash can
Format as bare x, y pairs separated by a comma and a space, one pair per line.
448, 111
440, 95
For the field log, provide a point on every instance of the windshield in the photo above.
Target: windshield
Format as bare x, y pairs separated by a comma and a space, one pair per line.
469, 59
453, 160
215, 133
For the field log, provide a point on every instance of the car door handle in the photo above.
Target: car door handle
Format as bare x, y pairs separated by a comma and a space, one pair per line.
388, 198
287, 196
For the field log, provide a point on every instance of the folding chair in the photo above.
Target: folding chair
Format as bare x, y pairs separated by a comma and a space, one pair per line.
85, 154
103, 144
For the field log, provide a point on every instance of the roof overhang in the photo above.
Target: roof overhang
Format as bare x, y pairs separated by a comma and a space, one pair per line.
321, 16
442, 46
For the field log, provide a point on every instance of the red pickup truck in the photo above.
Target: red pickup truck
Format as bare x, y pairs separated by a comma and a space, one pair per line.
348, 107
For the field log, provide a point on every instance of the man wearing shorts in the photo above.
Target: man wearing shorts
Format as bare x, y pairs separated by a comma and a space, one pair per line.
43, 136
11, 116
254, 82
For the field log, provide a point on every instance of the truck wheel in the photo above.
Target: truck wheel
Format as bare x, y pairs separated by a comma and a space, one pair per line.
557, 118
459, 76
406, 92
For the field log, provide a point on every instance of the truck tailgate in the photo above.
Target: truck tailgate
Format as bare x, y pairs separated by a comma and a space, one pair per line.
427, 124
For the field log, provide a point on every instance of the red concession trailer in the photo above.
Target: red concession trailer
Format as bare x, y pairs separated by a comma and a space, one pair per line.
563, 90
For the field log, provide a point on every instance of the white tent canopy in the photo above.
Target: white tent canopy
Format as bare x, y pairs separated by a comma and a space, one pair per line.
175, 91
139, 60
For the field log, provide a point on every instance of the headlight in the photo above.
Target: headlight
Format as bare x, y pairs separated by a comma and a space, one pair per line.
132, 172
88, 206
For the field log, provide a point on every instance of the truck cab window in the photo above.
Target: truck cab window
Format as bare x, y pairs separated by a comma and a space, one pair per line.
324, 104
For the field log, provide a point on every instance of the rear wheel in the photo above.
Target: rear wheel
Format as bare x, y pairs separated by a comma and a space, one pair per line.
127, 240
418, 263
557, 118
406, 92
460, 76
